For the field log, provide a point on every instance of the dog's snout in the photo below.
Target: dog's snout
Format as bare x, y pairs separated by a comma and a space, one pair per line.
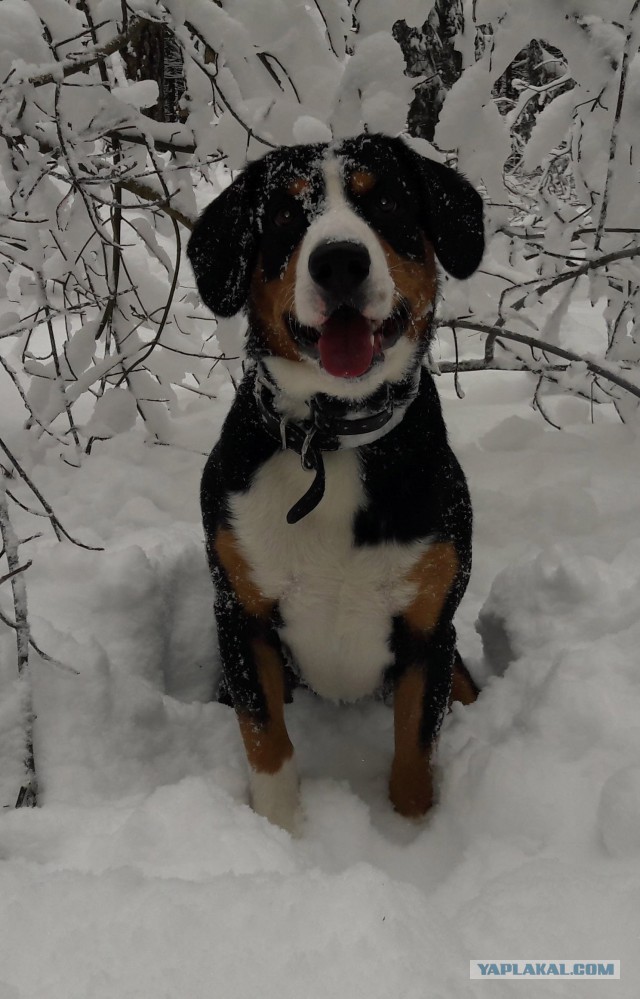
339, 268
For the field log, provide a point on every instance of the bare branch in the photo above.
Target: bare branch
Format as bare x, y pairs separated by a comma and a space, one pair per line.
543, 285
502, 333
10, 542
14, 572
147, 193
58, 529
613, 144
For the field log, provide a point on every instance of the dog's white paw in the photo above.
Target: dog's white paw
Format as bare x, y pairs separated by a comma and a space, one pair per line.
277, 796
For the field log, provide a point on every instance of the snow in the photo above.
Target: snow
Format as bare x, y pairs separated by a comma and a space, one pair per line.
144, 873
308, 129
550, 128
373, 102
142, 94
20, 36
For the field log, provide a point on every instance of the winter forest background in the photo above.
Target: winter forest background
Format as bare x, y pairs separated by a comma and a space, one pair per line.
119, 121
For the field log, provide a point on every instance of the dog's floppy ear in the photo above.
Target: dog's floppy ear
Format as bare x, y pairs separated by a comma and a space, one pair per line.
452, 215
222, 248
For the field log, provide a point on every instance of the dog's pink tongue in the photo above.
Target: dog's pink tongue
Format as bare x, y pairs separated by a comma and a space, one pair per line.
346, 346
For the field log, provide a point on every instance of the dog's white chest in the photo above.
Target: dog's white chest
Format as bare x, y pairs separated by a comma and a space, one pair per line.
336, 600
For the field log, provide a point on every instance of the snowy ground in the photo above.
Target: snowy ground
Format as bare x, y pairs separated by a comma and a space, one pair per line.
145, 874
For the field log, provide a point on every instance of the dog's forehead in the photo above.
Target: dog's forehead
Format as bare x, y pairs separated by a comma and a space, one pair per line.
376, 153
304, 170
285, 165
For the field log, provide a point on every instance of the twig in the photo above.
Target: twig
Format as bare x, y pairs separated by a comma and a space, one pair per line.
58, 529
147, 193
568, 355
67, 67
29, 791
545, 284
32, 414
36, 648
326, 27
56, 361
172, 289
537, 403
456, 380
14, 572
613, 144
479, 364
215, 86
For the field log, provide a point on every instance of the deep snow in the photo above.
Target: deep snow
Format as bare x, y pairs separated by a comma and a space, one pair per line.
145, 874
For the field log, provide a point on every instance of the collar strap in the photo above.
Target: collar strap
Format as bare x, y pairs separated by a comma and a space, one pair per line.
328, 426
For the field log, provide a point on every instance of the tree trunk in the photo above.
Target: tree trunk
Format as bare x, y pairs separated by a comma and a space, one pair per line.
155, 55
430, 52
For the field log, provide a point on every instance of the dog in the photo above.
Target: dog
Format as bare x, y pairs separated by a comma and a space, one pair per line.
337, 518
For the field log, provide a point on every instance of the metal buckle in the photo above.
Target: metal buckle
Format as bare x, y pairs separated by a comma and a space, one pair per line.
283, 433
305, 447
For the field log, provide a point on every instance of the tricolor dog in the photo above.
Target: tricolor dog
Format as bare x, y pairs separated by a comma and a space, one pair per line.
337, 518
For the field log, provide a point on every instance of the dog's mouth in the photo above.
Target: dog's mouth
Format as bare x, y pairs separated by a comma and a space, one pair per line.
348, 344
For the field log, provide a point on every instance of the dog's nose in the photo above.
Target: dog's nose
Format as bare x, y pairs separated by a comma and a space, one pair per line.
339, 268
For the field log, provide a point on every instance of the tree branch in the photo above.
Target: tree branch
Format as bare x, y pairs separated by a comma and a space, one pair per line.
549, 348
58, 529
14, 572
544, 285
29, 790
613, 143
147, 193
67, 67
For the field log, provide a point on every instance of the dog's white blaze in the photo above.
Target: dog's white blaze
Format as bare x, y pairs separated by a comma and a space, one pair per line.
276, 796
301, 379
340, 222
336, 600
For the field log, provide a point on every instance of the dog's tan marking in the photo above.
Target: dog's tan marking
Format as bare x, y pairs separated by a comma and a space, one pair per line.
433, 574
237, 569
267, 743
416, 282
411, 781
297, 187
361, 181
463, 689
269, 303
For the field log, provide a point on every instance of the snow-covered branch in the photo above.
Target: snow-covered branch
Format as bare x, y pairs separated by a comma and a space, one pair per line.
498, 333
29, 791
556, 153
92, 57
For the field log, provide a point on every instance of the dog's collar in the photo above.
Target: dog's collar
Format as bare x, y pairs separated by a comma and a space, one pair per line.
332, 425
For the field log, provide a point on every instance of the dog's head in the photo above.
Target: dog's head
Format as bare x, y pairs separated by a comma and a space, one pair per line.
331, 249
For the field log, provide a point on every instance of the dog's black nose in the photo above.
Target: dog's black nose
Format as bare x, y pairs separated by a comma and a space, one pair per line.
339, 268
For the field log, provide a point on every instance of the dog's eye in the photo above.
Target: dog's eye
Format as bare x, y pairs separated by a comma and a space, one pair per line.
283, 217
386, 203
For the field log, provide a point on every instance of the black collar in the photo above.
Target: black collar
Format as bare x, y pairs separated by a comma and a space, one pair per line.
329, 426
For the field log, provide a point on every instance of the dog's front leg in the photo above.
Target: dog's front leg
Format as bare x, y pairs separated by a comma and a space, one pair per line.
273, 777
253, 677
253, 680
424, 643
411, 781
421, 695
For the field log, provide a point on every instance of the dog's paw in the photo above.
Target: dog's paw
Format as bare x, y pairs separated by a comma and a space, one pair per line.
277, 797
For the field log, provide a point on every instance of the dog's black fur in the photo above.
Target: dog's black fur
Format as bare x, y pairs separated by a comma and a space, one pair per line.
243, 251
